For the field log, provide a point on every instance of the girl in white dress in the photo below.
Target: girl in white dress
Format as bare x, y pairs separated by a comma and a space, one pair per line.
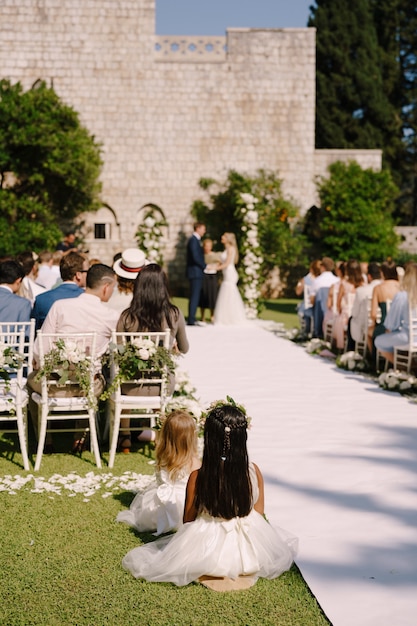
160, 507
225, 542
229, 309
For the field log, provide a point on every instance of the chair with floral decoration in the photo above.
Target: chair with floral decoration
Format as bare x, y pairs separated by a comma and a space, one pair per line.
67, 372
140, 364
13, 394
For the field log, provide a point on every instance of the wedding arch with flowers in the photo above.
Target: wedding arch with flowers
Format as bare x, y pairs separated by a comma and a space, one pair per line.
264, 222
150, 233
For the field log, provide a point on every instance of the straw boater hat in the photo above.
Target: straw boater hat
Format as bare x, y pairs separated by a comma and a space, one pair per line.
130, 263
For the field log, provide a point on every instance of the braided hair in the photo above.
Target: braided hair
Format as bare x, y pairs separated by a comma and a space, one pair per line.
223, 486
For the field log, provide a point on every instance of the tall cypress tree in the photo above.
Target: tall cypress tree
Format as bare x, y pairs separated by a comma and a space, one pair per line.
352, 109
367, 85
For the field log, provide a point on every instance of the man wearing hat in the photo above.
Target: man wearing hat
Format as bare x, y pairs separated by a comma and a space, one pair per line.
127, 267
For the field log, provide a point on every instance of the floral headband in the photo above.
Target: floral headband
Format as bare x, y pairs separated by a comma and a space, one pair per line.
230, 402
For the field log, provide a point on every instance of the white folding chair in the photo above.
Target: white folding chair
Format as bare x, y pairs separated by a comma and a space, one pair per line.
328, 329
145, 408
13, 394
403, 355
10, 328
381, 362
361, 346
62, 402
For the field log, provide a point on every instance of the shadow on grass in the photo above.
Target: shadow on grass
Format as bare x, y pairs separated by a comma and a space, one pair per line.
281, 306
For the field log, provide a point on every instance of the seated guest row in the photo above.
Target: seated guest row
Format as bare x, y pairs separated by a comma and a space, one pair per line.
355, 306
69, 308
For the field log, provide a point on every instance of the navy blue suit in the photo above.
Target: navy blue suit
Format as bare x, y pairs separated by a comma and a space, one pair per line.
13, 308
45, 300
195, 274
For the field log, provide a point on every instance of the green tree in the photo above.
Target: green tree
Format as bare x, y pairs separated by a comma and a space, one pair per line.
49, 167
279, 243
355, 215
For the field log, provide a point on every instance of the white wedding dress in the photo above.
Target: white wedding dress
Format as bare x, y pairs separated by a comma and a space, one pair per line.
229, 310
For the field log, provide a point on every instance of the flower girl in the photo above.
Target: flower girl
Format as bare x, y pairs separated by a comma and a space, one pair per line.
226, 542
160, 507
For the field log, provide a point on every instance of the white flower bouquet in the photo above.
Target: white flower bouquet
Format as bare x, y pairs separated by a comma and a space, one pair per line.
398, 381
352, 361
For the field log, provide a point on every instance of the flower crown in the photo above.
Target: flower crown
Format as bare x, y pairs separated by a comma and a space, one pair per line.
229, 402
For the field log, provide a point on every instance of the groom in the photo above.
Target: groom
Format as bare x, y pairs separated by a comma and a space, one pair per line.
195, 269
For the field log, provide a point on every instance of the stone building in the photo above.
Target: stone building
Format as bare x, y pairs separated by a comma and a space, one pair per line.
170, 110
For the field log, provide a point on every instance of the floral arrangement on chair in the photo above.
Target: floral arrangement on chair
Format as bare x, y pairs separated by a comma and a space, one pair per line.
10, 358
67, 362
134, 358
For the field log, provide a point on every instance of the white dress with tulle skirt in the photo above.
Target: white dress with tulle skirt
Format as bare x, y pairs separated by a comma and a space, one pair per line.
160, 507
229, 310
213, 547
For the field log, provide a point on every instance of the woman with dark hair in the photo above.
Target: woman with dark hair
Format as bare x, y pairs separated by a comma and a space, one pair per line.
151, 310
226, 542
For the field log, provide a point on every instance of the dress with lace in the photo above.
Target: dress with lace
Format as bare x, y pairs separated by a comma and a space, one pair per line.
213, 547
160, 506
230, 309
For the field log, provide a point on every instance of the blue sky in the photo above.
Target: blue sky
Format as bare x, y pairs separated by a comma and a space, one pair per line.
213, 17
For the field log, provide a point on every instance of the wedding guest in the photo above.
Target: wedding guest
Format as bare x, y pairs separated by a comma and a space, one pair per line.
56, 260
46, 278
73, 268
85, 313
68, 242
151, 310
225, 543
210, 286
382, 296
320, 292
195, 270
160, 507
358, 322
306, 313
127, 267
28, 287
347, 290
397, 321
332, 294
13, 308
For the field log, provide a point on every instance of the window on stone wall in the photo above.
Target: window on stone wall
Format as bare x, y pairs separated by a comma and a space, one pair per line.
102, 231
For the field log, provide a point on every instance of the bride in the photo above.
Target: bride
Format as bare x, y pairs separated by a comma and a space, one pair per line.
229, 305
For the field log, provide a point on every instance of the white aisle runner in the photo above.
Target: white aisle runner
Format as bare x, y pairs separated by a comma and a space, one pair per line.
339, 458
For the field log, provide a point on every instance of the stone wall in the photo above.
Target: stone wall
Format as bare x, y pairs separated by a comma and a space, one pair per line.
168, 110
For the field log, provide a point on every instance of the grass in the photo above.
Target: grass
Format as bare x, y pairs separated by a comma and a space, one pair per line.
60, 562
282, 310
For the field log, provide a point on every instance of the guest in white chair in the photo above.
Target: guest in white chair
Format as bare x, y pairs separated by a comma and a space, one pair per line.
357, 325
151, 310
397, 321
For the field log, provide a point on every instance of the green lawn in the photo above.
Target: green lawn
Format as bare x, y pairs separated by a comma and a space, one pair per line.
282, 310
60, 562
